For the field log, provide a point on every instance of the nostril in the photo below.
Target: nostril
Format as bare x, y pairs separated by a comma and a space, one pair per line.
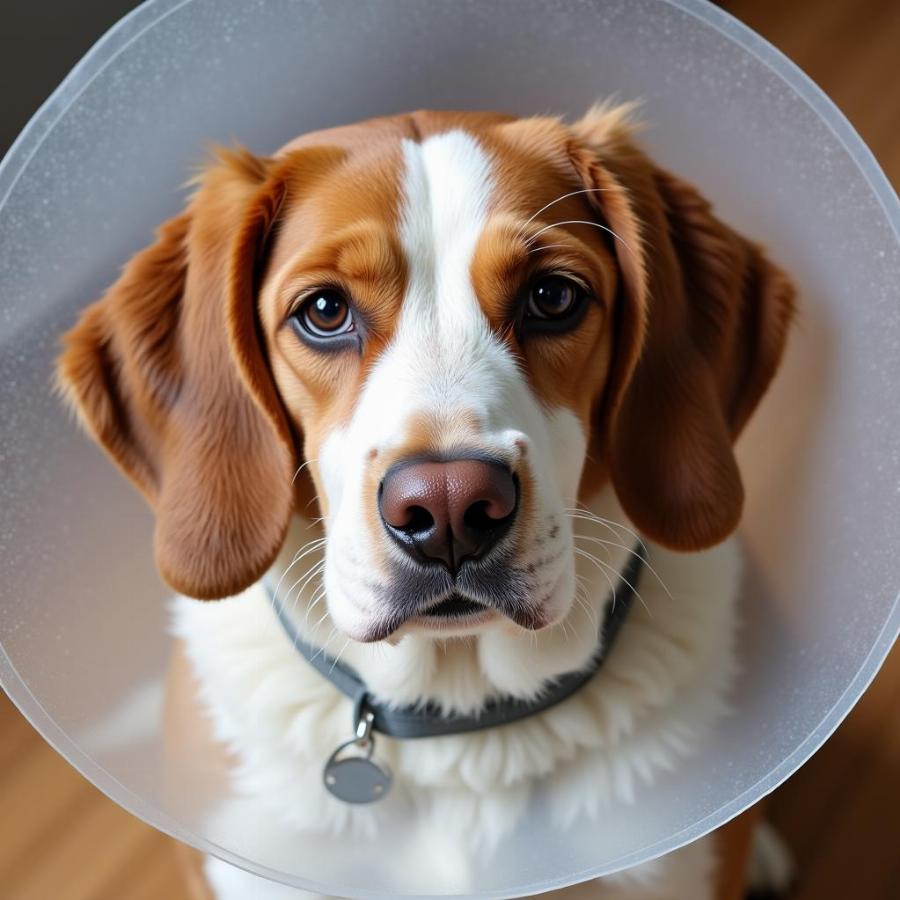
418, 520
484, 514
492, 499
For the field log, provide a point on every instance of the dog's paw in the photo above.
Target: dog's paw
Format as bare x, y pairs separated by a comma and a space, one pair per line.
771, 870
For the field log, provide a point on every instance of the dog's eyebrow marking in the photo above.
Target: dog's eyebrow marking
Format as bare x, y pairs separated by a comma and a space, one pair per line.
368, 256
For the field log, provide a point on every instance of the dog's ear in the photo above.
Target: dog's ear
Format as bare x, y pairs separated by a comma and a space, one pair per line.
168, 373
701, 325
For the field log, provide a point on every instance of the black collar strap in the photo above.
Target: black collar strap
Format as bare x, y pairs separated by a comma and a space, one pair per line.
427, 720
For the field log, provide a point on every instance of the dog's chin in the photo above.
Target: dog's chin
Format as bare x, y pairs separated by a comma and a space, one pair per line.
454, 616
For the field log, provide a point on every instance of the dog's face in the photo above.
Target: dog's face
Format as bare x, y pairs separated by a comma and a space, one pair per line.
458, 327
443, 352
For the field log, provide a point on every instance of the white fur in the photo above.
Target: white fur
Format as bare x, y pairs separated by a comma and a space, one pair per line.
660, 690
655, 697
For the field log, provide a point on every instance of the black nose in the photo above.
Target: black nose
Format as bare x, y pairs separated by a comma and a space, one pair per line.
448, 512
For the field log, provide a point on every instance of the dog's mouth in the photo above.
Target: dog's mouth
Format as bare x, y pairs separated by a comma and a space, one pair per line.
455, 614
454, 607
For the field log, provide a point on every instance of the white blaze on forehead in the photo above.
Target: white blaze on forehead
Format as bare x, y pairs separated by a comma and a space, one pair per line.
446, 191
443, 357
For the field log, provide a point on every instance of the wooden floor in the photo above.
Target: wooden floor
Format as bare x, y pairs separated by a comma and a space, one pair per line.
60, 839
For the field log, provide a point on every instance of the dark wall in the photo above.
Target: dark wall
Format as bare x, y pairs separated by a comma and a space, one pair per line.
40, 41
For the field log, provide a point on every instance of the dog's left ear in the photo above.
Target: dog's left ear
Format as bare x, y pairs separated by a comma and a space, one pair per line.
701, 324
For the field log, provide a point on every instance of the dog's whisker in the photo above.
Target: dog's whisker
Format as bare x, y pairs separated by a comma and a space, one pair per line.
581, 587
290, 602
582, 601
315, 630
339, 654
606, 545
592, 619
331, 636
292, 609
583, 598
590, 514
297, 557
591, 558
583, 583
609, 524
316, 598
586, 511
521, 230
318, 593
613, 533
308, 548
311, 607
323, 647
294, 602
633, 552
540, 231
302, 467
303, 581
280, 580
302, 552
634, 590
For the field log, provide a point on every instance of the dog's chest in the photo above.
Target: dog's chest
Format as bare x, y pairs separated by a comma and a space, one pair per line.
657, 693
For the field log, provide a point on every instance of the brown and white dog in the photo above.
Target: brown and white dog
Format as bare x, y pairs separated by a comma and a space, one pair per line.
489, 351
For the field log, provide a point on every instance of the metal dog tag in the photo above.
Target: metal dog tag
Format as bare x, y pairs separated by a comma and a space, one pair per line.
357, 778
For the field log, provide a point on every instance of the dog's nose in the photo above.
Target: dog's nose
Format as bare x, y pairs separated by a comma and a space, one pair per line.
448, 512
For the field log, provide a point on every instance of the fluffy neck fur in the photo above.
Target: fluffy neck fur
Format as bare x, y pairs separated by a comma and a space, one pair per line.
459, 674
657, 693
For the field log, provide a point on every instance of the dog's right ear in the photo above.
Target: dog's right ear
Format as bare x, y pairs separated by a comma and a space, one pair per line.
168, 374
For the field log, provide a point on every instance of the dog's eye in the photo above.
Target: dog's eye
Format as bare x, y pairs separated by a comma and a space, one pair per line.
325, 313
554, 297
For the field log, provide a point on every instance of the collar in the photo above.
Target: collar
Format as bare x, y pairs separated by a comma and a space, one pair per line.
428, 720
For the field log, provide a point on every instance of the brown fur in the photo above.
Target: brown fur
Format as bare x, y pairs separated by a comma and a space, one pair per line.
186, 372
702, 326
169, 376
342, 232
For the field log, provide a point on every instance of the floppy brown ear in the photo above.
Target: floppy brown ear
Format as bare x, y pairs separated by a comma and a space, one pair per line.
168, 374
702, 322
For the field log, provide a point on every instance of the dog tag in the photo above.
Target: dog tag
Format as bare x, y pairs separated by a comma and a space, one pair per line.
351, 774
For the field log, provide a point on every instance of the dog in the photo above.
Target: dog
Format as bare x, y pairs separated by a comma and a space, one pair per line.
438, 378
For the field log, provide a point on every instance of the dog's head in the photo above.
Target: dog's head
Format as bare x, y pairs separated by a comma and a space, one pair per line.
456, 326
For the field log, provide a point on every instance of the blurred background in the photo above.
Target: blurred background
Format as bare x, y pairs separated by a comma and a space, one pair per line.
61, 839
